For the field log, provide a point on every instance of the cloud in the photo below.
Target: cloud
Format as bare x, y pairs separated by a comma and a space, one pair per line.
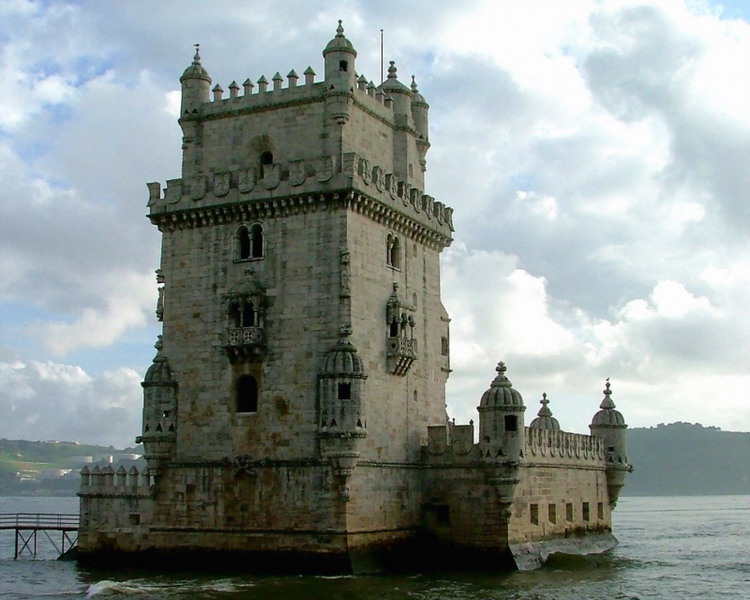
47, 400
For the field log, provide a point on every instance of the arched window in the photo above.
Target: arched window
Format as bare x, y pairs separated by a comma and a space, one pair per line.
243, 243
235, 318
266, 158
256, 241
246, 392
395, 254
248, 315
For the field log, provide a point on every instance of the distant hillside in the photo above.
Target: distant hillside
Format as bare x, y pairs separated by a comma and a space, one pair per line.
49, 467
682, 459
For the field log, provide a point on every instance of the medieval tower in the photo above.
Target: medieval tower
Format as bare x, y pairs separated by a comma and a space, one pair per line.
296, 404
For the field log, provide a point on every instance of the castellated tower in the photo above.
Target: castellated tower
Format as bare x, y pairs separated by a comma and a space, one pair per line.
294, 417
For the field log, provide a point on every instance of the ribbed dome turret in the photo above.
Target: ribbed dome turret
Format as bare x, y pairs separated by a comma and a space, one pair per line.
343, 359
608, 416
339, 43
196, 69
392, 84
501, 392
545, 420
159, 373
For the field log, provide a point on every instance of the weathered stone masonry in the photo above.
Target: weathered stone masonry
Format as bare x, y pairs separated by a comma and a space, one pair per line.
296, 405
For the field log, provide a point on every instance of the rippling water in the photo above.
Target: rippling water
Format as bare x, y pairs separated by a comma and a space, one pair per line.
670, 547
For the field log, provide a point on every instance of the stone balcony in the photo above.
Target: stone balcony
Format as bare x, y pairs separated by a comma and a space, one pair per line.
401, 353
245, 344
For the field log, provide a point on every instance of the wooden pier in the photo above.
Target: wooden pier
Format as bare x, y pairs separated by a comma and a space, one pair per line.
28, 526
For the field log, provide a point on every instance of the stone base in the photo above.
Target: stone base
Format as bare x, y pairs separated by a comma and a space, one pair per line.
532, 555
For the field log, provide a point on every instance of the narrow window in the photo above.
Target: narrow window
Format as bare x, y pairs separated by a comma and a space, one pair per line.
248, 315
266, 158
600, 510
569, 512
345, 391
534, 513
395, 261
393, 329
444, 347
235, 318
552, 513
511, 423
585, 511
243, 241
247, 394
388, 246
256, 241
343, 65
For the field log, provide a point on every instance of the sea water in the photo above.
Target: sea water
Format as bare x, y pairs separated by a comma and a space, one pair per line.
670, 547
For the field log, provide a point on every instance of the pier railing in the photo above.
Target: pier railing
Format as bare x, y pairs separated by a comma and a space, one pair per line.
28, 526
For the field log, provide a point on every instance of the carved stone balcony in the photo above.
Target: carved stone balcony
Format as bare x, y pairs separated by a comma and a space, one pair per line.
245, 344
401, 353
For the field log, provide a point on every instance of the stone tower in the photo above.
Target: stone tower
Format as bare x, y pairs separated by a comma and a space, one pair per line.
300, 305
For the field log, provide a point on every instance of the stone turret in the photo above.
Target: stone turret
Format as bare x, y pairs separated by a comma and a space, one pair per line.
501, 419
419, 112
196, 85
159, 412
339, 57
609, 424
544, 419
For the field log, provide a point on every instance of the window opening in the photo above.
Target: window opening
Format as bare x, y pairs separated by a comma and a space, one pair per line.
569, 512
444, 346
534, 513
266, 158
235, 318
600, 510
248, 315
511, 423
247, 394
345, 391
244, 242
552, 513
585, 511
343, 65
393, 330
256, 238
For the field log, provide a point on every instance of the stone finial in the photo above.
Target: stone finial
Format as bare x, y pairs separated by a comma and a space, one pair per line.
340, 30
197, 56
292, 77
218, 91
544, 411
361, 82
414, 88
345, 329
159, 343
262, 84
607, 402
247, 87
277, 81
234, 89
392, 71
371, 89
309, 76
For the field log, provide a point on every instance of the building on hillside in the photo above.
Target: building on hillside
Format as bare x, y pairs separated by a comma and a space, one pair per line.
294, 416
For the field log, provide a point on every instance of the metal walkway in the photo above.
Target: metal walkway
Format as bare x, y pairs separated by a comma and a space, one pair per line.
28, 526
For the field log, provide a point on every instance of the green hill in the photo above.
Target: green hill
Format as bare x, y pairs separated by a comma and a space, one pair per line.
682, 459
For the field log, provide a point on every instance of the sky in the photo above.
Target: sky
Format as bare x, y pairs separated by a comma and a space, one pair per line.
596, 154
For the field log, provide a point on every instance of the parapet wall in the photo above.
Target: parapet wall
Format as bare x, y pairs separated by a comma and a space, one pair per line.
545, 446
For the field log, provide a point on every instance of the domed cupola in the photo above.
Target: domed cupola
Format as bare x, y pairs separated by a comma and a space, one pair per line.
501, 420
501, 393
339, 57
545, 420
341, 388
196, 86
159, 373
399, 93
608, 416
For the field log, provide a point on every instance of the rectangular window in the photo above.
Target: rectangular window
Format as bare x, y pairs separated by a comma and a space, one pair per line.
600, 511
444, 347
585, 511
569, 512
511, 423
534, 513
552, 513
345, 391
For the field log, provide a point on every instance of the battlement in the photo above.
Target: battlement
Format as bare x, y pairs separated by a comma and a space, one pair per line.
545, 445
108, 482
264, 96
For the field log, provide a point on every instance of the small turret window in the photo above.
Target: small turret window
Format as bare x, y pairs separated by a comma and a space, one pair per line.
343, 65
246, 394
511, 423
345, 391
393, 252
